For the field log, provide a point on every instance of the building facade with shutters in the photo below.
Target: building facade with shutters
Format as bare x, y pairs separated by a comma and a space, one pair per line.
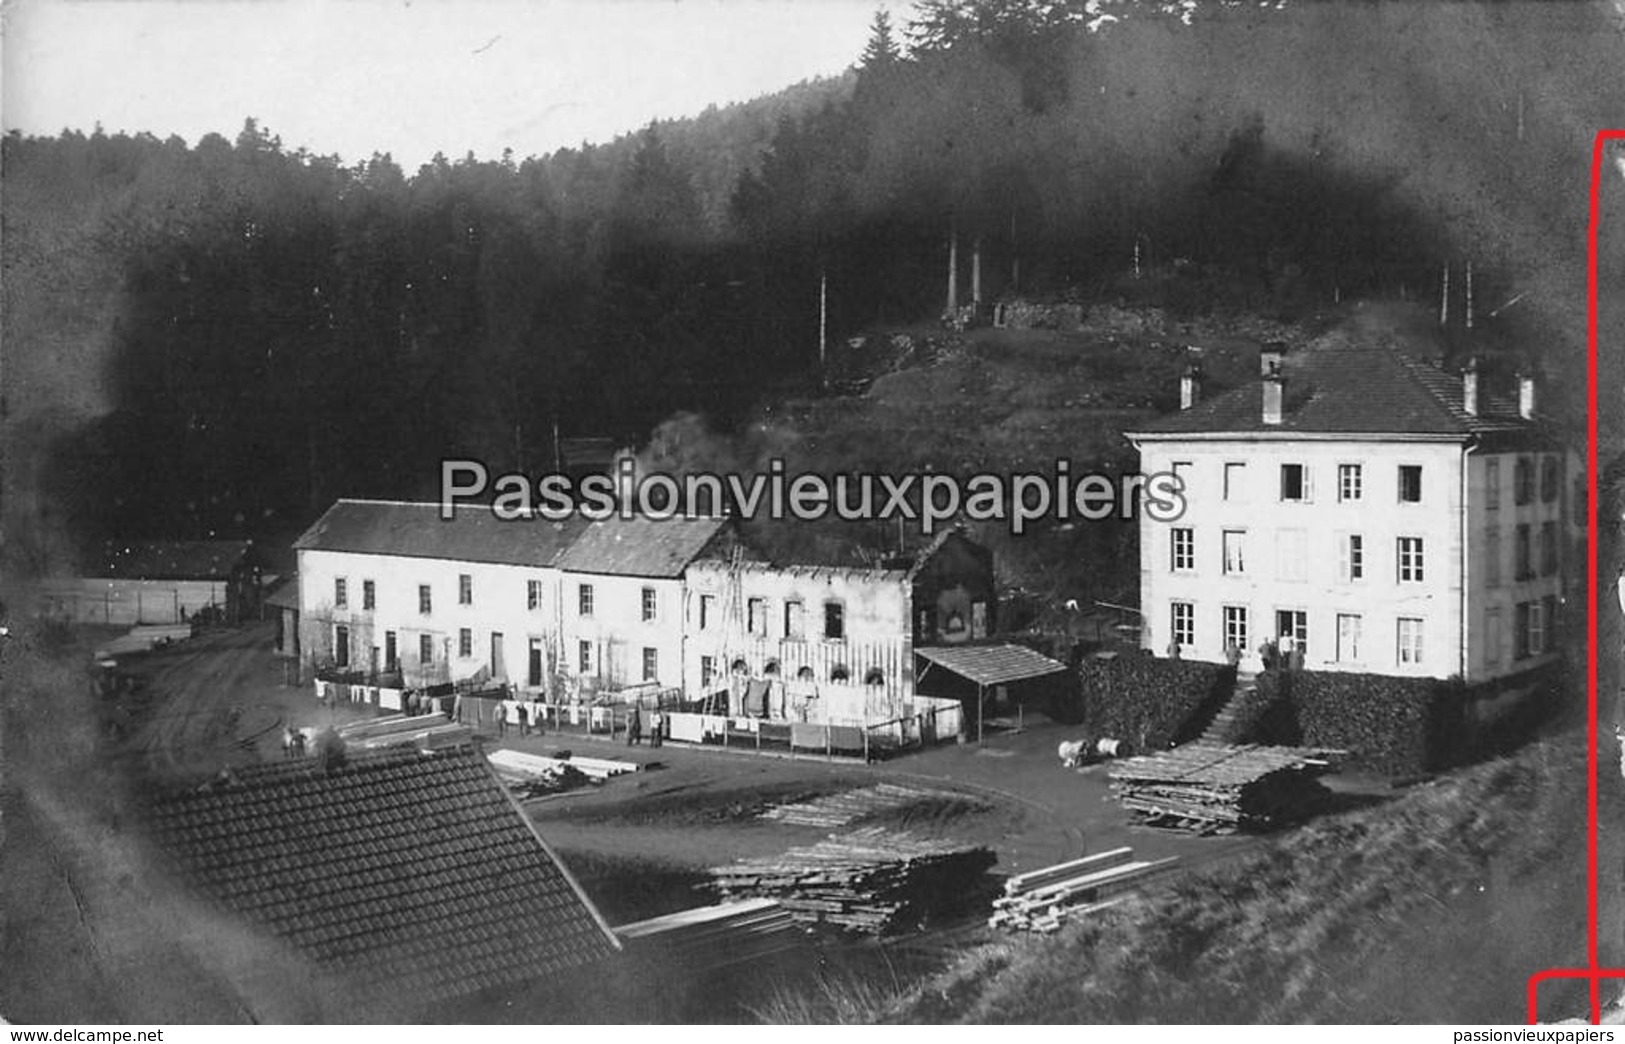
1384, 515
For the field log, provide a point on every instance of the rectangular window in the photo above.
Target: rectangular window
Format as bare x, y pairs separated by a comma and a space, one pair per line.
1183, 549
650, 604
392, 655
1493, 639
465, 643
1351, 557
1409, 641
1293, 624
834, 621
1548, 549
499, 662
1294, 482
533, 672
584, 652
1350, 482
425, 601
369, 595
1235, 541
1410, 483
1182, 471
533, 594
341, 646
1520, 631
584, 600
707, 607
794, 624
1235, 480
341, 594
1523, 481
1235, 627
651, 664
425, 649
1537, 628
1292, 550
1348, 638
1492, 484
708, 670
756, 617
1522, 554
1548, 479
1182, 624
1410, 560
1492, 557
465, 589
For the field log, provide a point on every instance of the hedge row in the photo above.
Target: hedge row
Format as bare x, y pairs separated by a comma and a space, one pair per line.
1149, 702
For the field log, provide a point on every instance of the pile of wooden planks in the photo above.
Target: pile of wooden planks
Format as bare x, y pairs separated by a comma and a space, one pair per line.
1218, 789
1042, 900
872, 880
837, 810
709, 937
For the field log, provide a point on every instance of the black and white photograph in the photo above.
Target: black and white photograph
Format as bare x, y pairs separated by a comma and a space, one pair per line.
803, 512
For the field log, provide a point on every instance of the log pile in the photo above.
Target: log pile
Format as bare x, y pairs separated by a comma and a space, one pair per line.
872, 881
1217, 789
1041, 901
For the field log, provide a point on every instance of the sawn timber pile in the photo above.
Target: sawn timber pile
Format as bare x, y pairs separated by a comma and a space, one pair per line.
1041, 900
873, 880
1215, 789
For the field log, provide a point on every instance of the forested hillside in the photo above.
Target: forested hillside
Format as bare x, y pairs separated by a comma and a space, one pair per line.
224, 336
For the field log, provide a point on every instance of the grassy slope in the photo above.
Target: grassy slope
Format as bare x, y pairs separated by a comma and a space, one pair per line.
1434, 908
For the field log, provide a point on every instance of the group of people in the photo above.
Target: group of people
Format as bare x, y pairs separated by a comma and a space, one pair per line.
634, 727
531, 715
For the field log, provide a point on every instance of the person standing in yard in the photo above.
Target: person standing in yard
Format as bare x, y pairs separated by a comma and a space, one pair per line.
287, 741
657, 727
634, 727
524, 718
538, 715
502, 717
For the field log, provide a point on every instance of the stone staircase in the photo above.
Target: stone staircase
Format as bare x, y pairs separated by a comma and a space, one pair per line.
1219, 729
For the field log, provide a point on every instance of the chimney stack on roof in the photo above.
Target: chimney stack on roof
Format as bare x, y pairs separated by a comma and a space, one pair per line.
1270, 358
1274, 394
1526, 395
1469, 387
1190, 387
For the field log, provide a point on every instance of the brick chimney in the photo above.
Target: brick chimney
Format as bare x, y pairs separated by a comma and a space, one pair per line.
1526, 395
1190, 387
1274, 395
1469, 387
1270, 357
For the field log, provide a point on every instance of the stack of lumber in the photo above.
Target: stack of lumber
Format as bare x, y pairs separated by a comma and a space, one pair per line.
837, 810
709, 937
872, 881
1214, 789
1042, 900
518, 763
428, 731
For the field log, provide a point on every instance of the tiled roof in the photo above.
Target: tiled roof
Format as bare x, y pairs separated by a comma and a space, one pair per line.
1352, 391
991, 664
473, 534
659, 548
174, 559
407, 872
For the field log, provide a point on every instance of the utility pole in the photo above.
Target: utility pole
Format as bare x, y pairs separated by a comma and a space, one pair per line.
1444, 298
976, 273
953, 267
823, 326
1469, 295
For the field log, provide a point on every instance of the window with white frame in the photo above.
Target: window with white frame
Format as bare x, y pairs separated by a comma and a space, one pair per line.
756, 617
341, 593
1294, 482
1348, 637
425, 599
584, 600
1350, 482
533, 594
707, 607
1235, 480
1409, 641
1293, 624
1182, 624
1183, 549
1235, 627
465, 643
584, 657
465, 589
341, 646
794, 620
1235, 547
369, 595
1410, 483
651, 603
1351, 556
425, 649
1410, 560
1492, 484
651, 664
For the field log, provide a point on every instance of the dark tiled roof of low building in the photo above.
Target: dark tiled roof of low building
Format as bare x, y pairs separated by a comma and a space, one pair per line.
647, 547
474, 533
174, 559
1352, 391
402, 871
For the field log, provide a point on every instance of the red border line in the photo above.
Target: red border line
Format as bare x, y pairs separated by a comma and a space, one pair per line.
1593, 972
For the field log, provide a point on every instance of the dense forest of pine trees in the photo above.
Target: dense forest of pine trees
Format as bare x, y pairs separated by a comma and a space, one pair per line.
221, 338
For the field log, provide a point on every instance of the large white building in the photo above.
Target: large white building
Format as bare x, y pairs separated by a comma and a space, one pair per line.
1388, 516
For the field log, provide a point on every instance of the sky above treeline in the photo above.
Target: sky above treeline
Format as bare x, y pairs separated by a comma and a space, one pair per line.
410, 77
